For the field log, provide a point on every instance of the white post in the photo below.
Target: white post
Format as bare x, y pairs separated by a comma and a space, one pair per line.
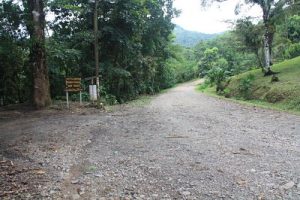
67, 96
80, 98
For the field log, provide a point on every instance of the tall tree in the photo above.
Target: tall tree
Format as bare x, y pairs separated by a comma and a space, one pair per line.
269, 8
96, 52
35, 26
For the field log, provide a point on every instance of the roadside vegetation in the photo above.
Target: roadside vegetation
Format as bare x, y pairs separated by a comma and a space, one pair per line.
251, 87
235, 64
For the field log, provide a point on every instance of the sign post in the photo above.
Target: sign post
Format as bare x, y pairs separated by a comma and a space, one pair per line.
67, 97
73, 85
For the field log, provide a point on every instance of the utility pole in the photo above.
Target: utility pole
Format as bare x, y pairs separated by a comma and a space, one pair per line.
96, 49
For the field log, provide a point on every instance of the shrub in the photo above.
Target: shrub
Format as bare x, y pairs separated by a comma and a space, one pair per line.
110, 99
246, 85
216, 76
226, 92
76, 96
293, 51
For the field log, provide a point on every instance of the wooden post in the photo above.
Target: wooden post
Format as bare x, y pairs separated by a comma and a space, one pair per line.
80, 98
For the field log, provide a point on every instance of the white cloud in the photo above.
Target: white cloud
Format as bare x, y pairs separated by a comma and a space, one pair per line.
212, 19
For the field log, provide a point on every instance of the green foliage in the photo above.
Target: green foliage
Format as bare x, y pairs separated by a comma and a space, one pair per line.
182, 65
133, 40
250, 36
293, 28
14, 72
216, 75
214, 67
227, 47
283, 94
286, 41
293, 50
203, 86
76, 96
207, 62
135, 50
245, 86
226, 92
242, 48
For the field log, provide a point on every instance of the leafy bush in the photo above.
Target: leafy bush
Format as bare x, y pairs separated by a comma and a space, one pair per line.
293, 50
293, 28
110, 99
227, 92
216, 76
208, 61
76, 96
246, 85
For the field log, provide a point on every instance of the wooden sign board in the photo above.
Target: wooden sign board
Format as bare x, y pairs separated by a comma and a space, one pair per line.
73, 84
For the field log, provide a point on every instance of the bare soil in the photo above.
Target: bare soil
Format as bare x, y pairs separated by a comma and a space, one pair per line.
183, 145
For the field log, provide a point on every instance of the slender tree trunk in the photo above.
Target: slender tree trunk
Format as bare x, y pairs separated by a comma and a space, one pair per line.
267, 53
271, 37
41, 89
267, 45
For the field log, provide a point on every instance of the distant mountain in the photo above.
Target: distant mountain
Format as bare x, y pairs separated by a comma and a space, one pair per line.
190, 38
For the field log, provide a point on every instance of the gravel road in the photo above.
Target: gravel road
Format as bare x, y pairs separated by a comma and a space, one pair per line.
183, 145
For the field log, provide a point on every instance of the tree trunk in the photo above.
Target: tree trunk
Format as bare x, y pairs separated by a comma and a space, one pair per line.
96, 49
41, 89
267, 52
267, 38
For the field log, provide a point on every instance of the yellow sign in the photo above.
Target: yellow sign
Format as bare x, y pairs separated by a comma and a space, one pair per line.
73, 84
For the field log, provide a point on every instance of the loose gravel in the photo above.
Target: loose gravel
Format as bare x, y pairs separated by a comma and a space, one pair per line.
183, 145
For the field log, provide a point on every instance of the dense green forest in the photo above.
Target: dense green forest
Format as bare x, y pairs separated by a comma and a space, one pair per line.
136, 48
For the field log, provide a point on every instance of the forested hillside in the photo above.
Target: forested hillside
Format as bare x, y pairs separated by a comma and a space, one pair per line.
261, 49
190, 38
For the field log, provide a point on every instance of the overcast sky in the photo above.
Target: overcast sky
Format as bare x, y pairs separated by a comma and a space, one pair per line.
210, 20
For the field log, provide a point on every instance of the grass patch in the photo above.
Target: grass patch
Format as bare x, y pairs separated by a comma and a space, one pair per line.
141, 101
283, 95
203, 87
211, 91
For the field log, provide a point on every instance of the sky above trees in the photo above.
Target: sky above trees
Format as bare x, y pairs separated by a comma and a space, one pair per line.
213, 19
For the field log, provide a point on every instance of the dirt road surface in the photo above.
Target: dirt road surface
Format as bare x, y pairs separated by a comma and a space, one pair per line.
183, 145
